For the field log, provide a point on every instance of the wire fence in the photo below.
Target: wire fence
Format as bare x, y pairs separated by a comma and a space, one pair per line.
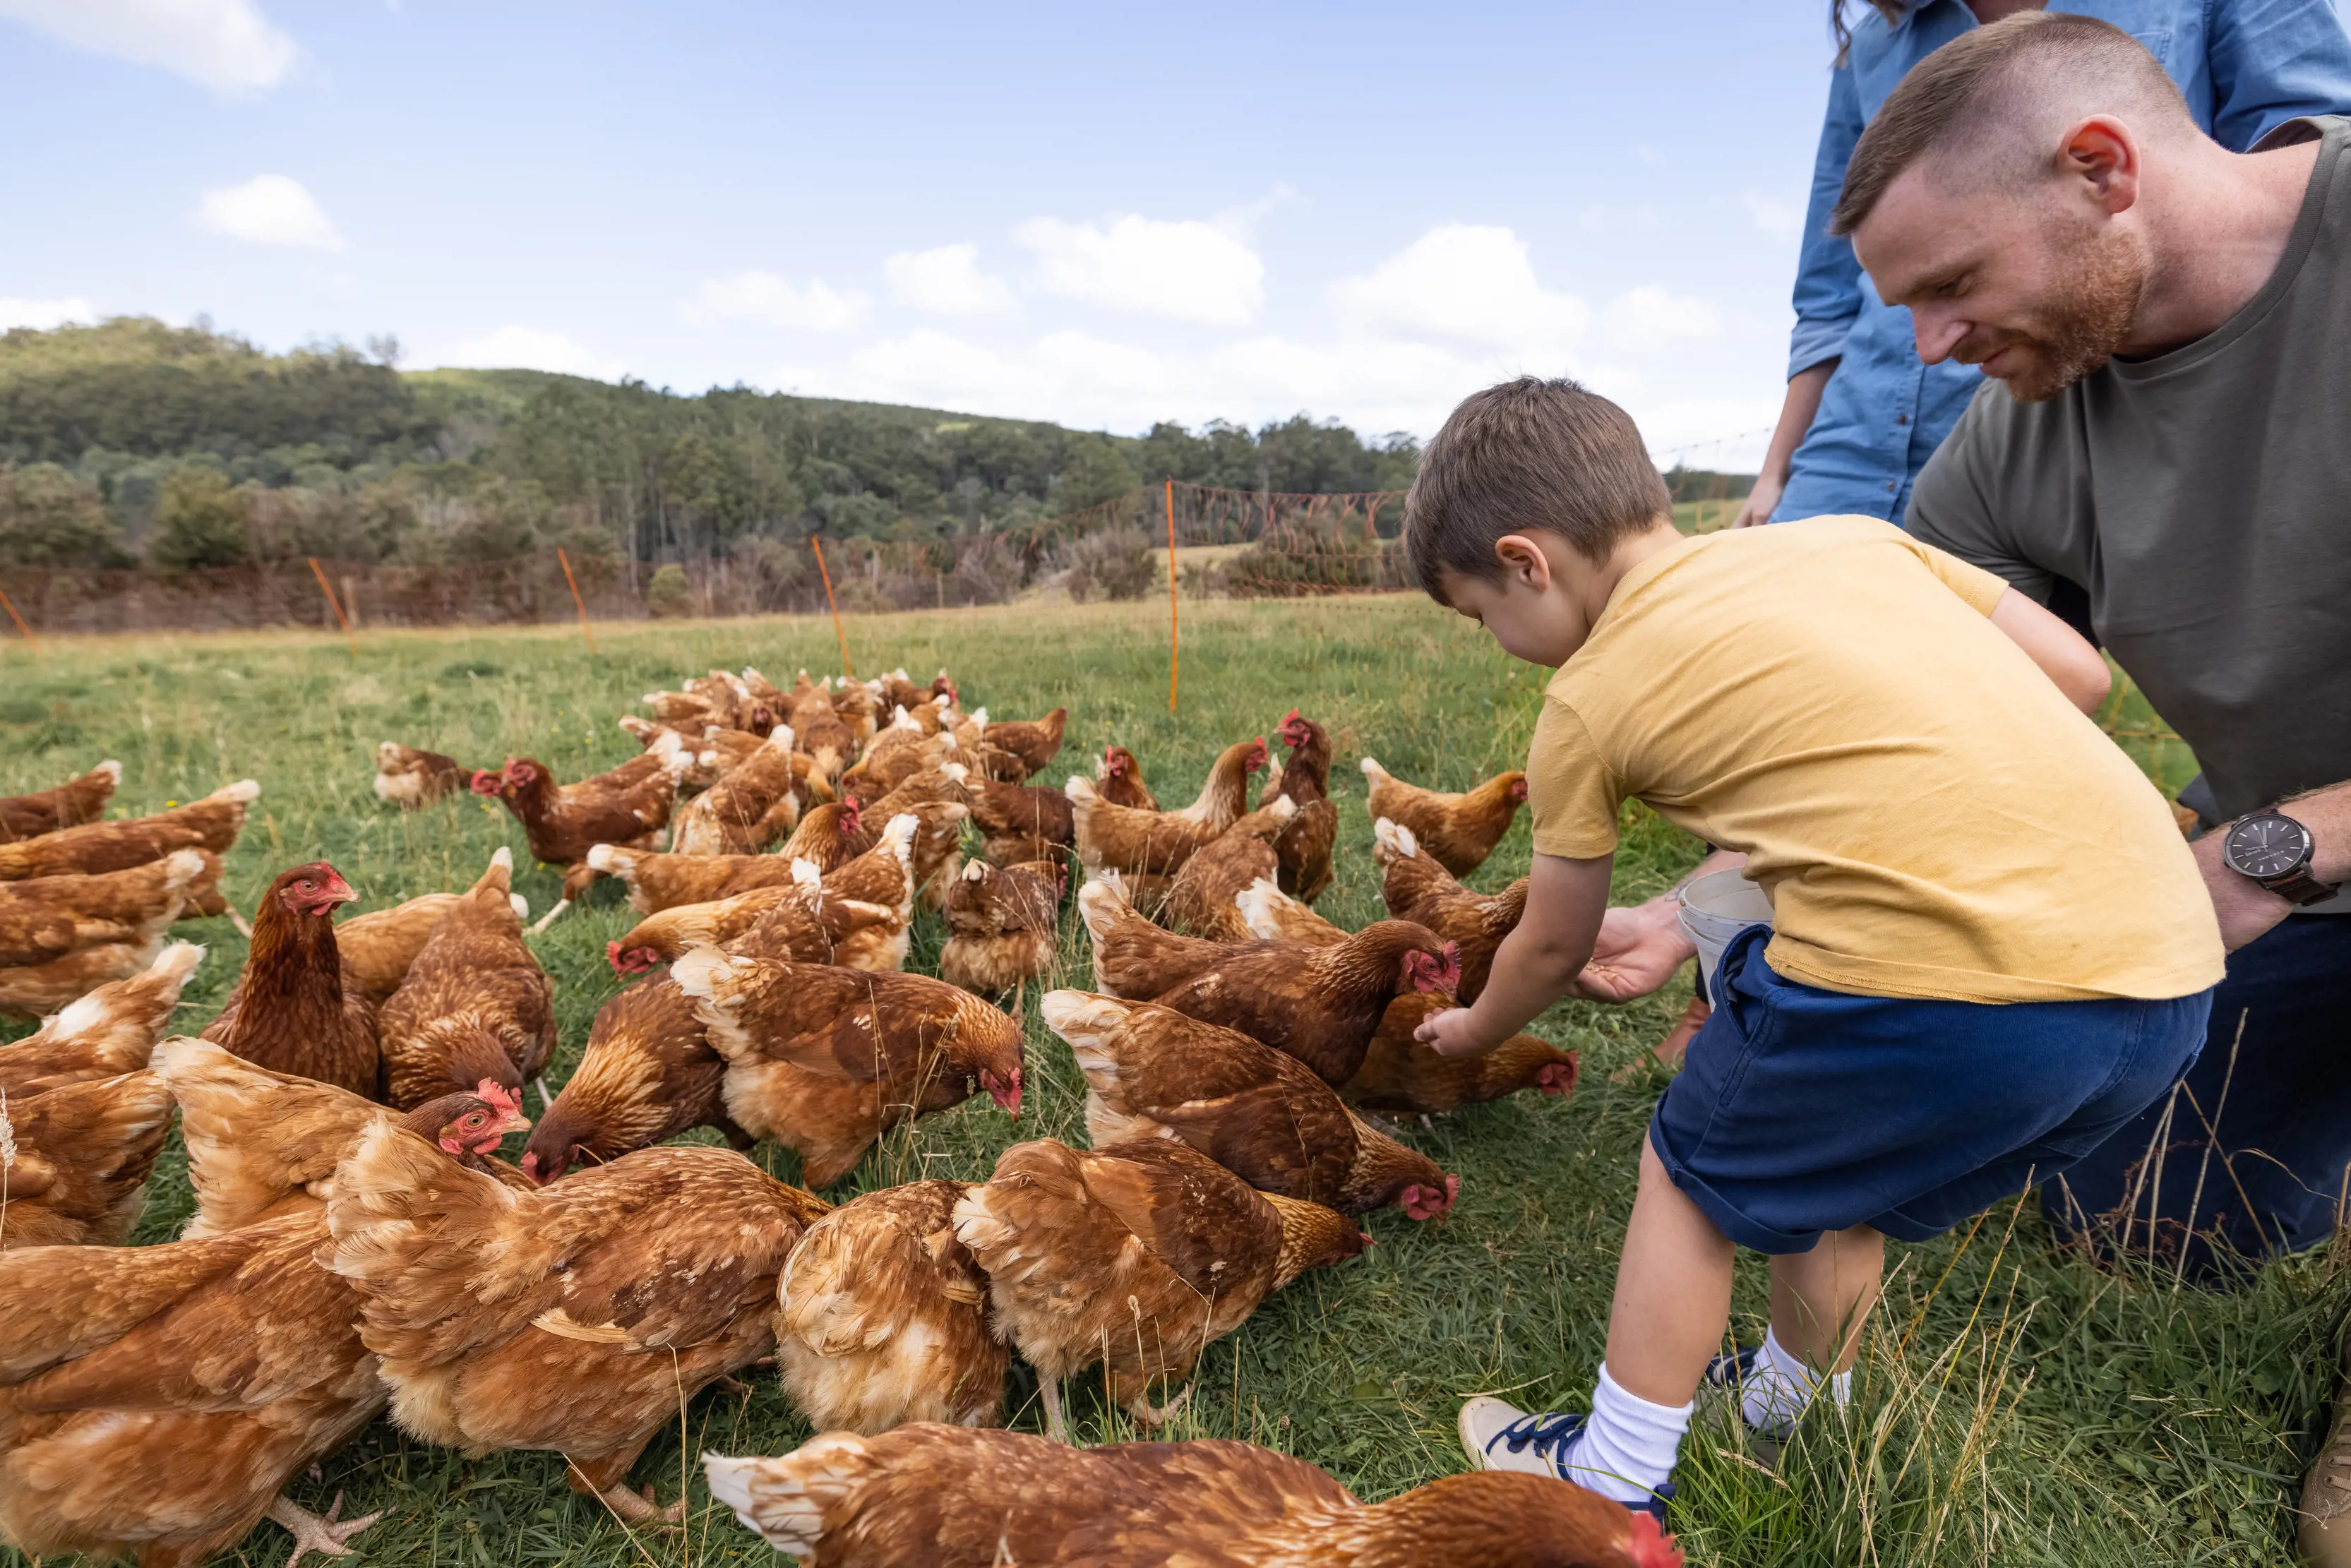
1231, 543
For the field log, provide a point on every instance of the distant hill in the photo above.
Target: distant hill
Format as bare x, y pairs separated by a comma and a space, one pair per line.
135, 441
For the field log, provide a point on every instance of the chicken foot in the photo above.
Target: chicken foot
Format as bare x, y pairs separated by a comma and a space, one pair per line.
1151, 1415
321, 1533
548, 919
604, 1479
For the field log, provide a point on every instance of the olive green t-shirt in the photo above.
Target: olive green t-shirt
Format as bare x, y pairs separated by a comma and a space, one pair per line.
2199, 501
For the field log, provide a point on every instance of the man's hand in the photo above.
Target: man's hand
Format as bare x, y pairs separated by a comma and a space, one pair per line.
1756, 509
2246, 908
1638, 949
1453, 1032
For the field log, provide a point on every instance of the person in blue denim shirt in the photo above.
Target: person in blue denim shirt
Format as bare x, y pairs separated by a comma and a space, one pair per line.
1862, 413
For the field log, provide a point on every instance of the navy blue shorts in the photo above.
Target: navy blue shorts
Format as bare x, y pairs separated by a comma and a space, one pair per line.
1800, 1111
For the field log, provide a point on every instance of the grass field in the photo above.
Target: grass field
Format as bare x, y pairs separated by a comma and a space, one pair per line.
2014, 1406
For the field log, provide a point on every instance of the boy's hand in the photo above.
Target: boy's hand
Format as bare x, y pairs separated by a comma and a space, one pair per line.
1452, 1033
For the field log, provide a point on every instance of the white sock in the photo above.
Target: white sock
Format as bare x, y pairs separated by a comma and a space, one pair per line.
1626, 1450
1775, 1393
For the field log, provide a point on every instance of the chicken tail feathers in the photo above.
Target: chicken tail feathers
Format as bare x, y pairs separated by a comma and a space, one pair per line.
224, 1101
785, 1500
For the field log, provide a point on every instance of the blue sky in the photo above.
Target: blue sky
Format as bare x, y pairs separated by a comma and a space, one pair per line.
1098, 215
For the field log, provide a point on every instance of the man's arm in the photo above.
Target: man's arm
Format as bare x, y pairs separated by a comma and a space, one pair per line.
2064, 656
1537, 962
2246, 908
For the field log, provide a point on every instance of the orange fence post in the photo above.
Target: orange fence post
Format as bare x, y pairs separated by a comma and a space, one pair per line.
576, 599
320, 572
831, 604
1173, 660
19, 619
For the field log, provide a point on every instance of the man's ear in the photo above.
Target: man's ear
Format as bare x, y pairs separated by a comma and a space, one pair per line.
1523, 561
2102, 154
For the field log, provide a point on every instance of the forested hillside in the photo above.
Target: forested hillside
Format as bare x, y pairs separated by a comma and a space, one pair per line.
134, 443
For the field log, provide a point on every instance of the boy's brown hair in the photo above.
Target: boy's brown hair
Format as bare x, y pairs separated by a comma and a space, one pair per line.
1527, 456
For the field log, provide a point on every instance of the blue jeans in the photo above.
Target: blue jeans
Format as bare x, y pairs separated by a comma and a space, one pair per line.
2273, 1178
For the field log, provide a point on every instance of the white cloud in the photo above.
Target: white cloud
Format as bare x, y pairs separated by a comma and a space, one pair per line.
777, 301
226, 45
947, 281
269, 209
41, 315
1649, 318
1186, 271
1466, 283
1773, 216
531, 349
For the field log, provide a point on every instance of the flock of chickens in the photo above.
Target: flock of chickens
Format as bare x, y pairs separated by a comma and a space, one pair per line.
359, 1244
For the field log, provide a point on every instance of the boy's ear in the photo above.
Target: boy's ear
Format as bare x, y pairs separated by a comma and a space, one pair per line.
1523, 561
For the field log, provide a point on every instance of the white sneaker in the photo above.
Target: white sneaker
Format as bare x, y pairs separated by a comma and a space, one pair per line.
1498, 1436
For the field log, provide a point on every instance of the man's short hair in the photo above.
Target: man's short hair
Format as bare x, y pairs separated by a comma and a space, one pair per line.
1993, 100
1527, 456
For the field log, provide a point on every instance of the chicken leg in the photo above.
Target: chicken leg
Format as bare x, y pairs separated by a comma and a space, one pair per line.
321, 1534
1056, 1428
602, 1478
548, 919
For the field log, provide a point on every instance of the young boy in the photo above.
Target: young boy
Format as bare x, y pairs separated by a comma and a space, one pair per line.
1991, 947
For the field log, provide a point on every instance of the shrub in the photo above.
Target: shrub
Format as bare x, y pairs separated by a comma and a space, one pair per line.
1116, 563
50, 517
669, 595
199, 520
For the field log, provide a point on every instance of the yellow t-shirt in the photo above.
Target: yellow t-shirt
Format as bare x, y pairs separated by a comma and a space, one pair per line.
1929, 815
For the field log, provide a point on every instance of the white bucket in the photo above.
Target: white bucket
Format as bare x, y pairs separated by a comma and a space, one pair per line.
1716, 907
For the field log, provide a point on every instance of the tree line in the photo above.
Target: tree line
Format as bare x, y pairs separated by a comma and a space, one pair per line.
133, 442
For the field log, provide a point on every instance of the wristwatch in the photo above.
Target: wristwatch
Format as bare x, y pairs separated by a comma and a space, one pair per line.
2272, 849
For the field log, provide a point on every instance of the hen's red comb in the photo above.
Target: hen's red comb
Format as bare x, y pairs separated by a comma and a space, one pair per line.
1649, 1546
1291, 720
504, 1100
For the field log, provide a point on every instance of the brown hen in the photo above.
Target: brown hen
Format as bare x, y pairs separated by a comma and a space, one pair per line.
82, 1151
935, 1496
824, 1060
111, 1030
1400, 1073
574, 1317
44, 918
212, 823
475, 1005
263, 1145
657, 882
831, 835
1303, 850
795, 921
1015, 749
1150, 1072
881, 1317
75, 801
626, 806
748, 809
1154, 844
1460, 830
1418, 889
1132, 956
1200, 897
407, 778
1005, 925
1118, 779
154, 1400
648, 1074
1321, 1005
290, 1011
1018, 823
1136, 1256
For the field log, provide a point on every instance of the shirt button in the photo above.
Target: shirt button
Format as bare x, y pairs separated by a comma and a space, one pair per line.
1901, 419
1889, 484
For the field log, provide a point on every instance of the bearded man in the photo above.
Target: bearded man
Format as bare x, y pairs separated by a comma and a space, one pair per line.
2161, 456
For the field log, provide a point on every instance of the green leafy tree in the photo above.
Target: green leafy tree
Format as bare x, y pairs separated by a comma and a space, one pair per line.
199, 520
52, 517
1096, 472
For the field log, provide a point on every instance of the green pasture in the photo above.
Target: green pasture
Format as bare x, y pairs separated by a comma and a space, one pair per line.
2016, 1405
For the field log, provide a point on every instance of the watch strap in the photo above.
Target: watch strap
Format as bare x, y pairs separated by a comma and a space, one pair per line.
2299, 887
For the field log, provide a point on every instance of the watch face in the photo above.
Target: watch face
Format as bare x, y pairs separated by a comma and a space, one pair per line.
2268, 845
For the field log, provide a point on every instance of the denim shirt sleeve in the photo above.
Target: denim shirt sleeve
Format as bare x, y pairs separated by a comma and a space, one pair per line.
2272, 60
1828, 279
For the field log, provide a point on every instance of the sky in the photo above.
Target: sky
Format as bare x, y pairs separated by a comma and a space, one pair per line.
1104, 216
